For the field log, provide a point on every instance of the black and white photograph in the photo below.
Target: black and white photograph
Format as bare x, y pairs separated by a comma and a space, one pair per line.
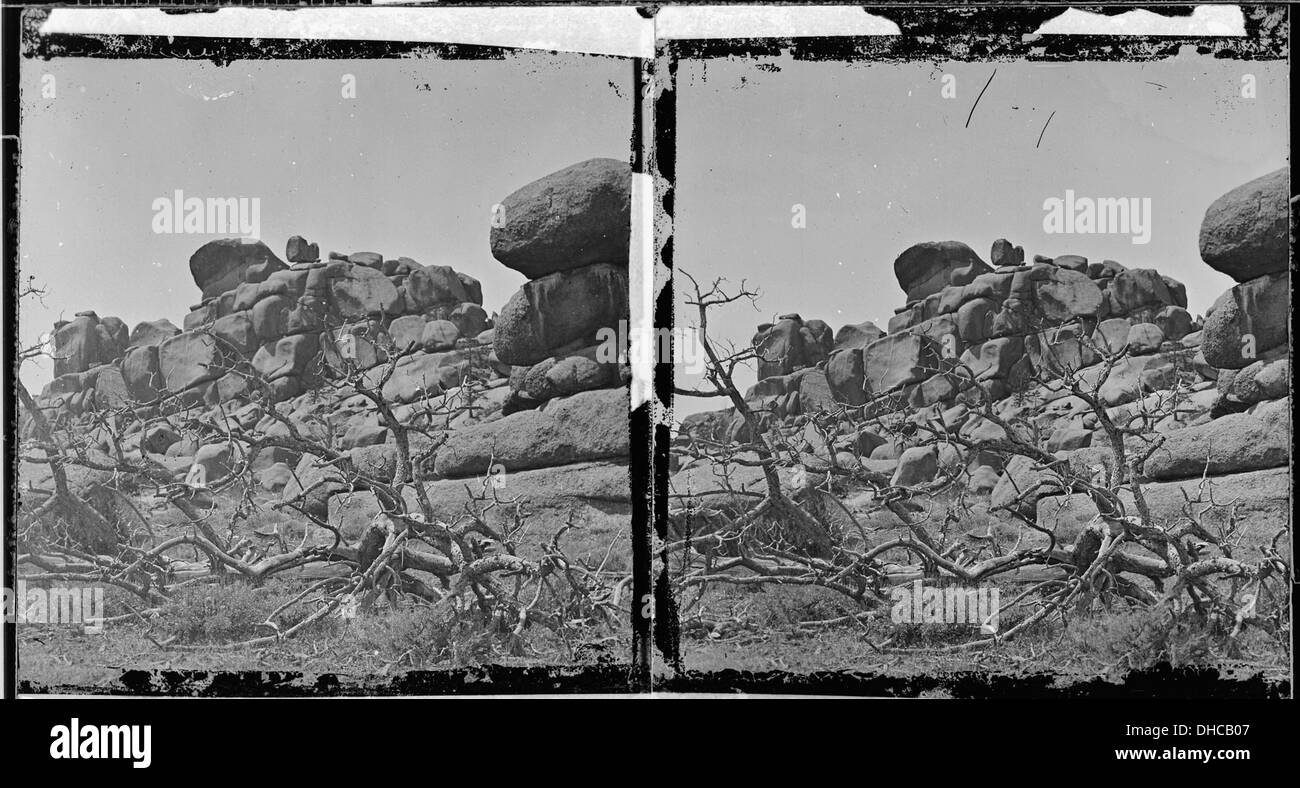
982, 365
362, 357
322, 362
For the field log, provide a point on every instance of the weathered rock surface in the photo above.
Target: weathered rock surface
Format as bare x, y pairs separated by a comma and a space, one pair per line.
791, 344
926, 268
1214, 392
856, 336
1229, 444
1022, 484
152, 332
189, 359
1262, 505
222, 265
558, 309
1245, 232
591, 425
573, 218
1247, 321
88, 341
298, 250
561, 376
301, 329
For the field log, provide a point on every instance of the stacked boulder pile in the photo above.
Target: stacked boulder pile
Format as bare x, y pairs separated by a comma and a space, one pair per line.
262, 318
537, 394
1004, 322
1018, 326
1237, 432
560, 333
558, 434
1245, 235
270, 331
354, 308
88, 352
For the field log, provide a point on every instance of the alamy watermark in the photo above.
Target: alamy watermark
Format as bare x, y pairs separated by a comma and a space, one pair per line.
1099, 216
95, 742
179, 214
57, 604
919, 603
680, 345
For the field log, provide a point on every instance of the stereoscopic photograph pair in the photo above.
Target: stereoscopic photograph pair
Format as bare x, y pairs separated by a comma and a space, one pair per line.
950, 359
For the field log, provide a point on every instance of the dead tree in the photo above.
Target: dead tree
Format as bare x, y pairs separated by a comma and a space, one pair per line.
1118, 554
481, 582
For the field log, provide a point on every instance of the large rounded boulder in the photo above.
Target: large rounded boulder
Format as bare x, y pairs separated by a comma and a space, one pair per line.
1246, 321
559, 309
572, 218
926, 268
1245, 232
224, 264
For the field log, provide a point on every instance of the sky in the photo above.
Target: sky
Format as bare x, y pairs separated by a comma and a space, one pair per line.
411, 166
880, 160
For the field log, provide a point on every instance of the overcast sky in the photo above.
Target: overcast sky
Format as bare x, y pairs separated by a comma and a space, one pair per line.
411, 167
881, 161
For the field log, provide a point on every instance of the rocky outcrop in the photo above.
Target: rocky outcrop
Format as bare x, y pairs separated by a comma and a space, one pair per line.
188, 360
424, 375
1262, 504
1247, 321
1211, 397
87, 341
1234, 443
554, 312
293, 325
1246, 336
266, 332
560, 376
569, 219
299, 250
1006, 326
1268, 378
540, 396
857, 335
222, 265
591, 425
791, 344
1245, 232
927, 268
152, 332
563, 332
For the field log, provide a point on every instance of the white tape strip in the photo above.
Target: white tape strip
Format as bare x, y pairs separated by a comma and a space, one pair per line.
1205, 20
608, 30
604, 30
686, 22
641, 334
762, 21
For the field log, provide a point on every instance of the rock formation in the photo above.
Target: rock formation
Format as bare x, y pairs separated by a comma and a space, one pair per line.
559, 332
576, 217
1218, 385
1245, 233
541, 387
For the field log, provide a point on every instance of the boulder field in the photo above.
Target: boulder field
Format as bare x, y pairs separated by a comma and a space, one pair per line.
1007, 331
530, 389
